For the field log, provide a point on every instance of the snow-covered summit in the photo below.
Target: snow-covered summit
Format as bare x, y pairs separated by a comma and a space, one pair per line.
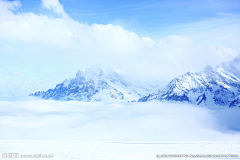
218, 85
97, 84
232, 67
209, 68
213, 86
96, 73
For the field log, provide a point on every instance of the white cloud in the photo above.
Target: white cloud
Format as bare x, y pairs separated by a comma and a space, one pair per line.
41, 119
6, 9
55, 5
223, 52
39, 40
13, 5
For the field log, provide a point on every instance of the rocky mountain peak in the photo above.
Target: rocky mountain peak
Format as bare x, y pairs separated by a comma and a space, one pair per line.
96, 84
208, 68
213, 86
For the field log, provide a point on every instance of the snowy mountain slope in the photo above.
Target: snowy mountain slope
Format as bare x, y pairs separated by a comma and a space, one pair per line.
232, 67
213, 86
97, 84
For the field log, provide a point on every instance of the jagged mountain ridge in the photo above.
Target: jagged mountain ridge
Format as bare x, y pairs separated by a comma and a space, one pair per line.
97, 84
213, 86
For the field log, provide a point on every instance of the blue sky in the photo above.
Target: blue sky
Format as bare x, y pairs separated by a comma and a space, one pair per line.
147, 18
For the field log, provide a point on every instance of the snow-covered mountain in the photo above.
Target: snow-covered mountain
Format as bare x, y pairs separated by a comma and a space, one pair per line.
213, 86
97, 84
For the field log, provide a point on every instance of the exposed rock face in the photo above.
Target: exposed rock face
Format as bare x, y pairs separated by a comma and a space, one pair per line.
235, 102
213, 86
96, 84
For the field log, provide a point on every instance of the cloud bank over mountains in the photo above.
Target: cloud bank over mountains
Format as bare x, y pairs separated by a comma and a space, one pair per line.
37, 39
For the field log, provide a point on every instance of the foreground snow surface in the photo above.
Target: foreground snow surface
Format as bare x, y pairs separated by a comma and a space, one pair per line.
117, 150
35, 119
